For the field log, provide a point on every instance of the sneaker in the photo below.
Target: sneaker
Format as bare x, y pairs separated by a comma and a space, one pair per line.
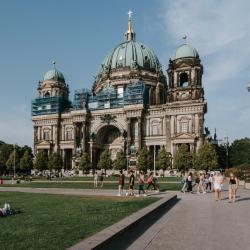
204, 192
144, 194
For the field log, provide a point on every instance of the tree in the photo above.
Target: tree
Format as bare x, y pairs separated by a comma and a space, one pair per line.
85, 163
144, 160
120, 162
221, 151
206, 157
105, 161
41, 162
183, 159
55, 161
13, 160
5, 151
26, 163
163, 160
239, 152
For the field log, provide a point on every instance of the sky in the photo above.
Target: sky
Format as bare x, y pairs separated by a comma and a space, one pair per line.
78, 34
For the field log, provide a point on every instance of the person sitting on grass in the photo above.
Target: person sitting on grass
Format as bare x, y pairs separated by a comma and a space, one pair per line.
7, 210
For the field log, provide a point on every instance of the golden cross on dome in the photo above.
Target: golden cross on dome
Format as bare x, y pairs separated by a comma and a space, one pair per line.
130, 14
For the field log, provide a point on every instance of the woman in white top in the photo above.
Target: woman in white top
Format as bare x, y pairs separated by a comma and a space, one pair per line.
218, 180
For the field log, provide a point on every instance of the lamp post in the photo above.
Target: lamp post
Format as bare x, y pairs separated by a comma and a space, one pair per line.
14, 161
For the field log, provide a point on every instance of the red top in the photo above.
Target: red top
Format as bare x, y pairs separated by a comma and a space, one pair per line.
121, 179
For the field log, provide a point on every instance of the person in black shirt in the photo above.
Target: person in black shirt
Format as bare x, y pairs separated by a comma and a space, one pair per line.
131, 184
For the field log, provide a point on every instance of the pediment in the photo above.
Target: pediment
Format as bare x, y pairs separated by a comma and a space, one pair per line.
44, 143
185, 136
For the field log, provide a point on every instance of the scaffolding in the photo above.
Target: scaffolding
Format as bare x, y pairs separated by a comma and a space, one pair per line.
49, 105
135, 93
81, 99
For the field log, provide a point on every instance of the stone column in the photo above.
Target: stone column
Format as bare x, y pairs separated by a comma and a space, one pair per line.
75, 141
128, 135
139, 133
168, 132
91, 151
83, 137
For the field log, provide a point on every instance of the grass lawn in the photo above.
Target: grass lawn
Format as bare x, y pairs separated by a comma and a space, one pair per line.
58, 221
86, 185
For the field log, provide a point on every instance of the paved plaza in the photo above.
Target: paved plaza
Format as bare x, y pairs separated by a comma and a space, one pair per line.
195, 222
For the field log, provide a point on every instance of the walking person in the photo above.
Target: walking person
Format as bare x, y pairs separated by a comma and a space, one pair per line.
184, 182
201, 184
141, 184
207, 182
131, 184
121, 183
232, 188
218, 180
101, 179
189, 182
150, 181
95, 179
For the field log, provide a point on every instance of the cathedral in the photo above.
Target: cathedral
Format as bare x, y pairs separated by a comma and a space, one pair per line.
132, 105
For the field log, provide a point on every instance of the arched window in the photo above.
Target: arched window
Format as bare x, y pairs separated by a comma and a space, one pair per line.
183, 80
47, 94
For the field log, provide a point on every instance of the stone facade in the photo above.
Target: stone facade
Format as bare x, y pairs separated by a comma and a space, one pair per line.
161, 114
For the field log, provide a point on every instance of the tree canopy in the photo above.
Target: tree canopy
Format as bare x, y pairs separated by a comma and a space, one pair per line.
206, 157
120, 162
183, 159
26, 163
105, 161
239, 152
85, 163
41, 162
163, 160
144, 160
55, 161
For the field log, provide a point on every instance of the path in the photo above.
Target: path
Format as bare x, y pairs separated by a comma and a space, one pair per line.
71, 191
197, 222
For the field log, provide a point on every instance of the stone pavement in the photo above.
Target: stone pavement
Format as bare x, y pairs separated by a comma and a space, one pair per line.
72, 191
198, 222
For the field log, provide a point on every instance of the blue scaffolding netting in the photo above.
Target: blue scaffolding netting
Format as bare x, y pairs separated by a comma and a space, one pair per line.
109, 97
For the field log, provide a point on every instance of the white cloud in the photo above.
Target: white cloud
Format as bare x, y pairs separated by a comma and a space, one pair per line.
219, 30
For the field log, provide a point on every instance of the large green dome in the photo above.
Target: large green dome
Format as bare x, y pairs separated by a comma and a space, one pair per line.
131, 54
185, 51
54, 74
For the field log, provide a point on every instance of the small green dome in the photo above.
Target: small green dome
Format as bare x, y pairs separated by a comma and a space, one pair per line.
131, 54
185, 51
54, 74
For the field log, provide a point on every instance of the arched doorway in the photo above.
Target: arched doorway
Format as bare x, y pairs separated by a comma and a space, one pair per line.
109, 137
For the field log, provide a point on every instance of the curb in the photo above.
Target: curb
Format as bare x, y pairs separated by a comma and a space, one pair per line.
121, 234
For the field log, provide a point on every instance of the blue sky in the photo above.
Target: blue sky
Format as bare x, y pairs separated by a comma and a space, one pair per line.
78, 34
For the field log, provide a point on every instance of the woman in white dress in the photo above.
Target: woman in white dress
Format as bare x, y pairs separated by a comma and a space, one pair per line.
218, 180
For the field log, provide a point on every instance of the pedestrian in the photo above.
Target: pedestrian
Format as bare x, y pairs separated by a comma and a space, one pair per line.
121, 183
101, 179
141, 183
232, 188
95, 180
184, 182
131, 183
189, 182
201, 184
207, 182
218, 180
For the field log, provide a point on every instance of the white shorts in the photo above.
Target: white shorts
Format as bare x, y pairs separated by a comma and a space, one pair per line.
217, 186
